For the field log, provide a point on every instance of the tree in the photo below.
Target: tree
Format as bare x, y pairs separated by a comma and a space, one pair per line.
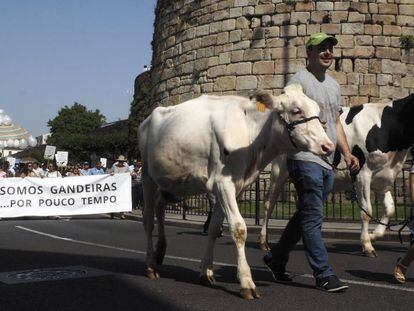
70, 127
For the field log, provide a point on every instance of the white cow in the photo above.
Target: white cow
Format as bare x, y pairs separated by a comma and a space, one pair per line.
380, 135
218, 144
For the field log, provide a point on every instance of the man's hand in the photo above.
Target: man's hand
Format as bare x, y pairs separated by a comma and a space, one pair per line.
352, 162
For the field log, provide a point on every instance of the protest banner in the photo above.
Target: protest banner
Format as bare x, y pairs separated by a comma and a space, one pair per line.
49, 152
96, 194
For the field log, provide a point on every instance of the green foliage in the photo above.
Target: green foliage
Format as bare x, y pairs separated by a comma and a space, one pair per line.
70, 127
407, 42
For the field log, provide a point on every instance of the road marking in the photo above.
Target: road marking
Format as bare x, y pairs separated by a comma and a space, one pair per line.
218, 263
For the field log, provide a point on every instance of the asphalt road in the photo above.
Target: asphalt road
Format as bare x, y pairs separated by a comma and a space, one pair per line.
98, 264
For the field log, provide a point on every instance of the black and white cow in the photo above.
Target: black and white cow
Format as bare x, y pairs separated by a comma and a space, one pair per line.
380, 135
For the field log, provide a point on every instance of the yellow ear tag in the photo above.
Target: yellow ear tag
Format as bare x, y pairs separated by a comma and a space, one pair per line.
260, 106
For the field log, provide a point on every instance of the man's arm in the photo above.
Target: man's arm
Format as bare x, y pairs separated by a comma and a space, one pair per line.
351, 161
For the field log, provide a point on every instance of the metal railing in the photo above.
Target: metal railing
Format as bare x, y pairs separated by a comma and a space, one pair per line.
338, 207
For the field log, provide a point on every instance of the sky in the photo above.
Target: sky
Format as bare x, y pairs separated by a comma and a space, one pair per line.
54, 53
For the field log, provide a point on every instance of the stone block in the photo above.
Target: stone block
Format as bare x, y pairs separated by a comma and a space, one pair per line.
299, 17
242, 23
271, 82
339, 76
339, 17
388, 52
358, 100
220, 15
358, 7
263, 68
341, 6
383, 19
319, 16
369, 79
304, 6
246, 83
407, 82
262, 9
173, 83
356, 17
407, 10
288, 31
235, 12
216, 71
239, 69
387, 8
352, 28
405, 31
237, 56
224, 58
392, 92
235, 35
222, 38
384, 79
302, 30
224, 84
275, 42
361, 65
229, 24
312, 28
253, 54
202, 30
324, 6
404, 20
213, 61
285, 52
280, 19
373, 8
284, 8
359, 51
353, 78
283, 66
374, 66
247, 34
238, 3
373, 30
393, 67
215, 27
346, 65
391, 30
345, 41
363, 40
349, 90
381, 41
332, 29
256, 22
209, 40
272, 32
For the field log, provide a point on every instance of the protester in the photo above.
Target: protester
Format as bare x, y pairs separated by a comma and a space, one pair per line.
119, 167
312, 175
85, 170
3, 171
38, 171
74, 172
97, 169
52, 171
136, 185
402, 264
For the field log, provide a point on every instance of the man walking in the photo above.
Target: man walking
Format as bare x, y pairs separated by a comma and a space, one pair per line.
311, 174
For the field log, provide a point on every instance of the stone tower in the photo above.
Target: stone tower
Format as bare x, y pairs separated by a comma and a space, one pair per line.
233, 46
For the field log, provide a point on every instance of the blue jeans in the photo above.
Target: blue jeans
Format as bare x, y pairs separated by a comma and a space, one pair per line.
313, 184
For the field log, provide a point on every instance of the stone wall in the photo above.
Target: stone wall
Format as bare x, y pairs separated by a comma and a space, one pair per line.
233, 46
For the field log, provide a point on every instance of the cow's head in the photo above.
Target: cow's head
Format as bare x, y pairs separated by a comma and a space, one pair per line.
300, 116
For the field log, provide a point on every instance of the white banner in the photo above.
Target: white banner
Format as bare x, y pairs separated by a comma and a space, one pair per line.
95, 194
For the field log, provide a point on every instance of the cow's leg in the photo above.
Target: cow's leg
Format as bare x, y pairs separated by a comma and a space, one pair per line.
227, 198
162, 242
214, 229
149, 189
389, 209
270, 204
364, 198
278, 178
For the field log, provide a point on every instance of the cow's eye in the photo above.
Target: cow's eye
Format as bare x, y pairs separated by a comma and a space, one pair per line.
296, 111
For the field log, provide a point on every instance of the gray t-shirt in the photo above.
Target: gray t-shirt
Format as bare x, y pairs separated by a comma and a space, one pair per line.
328, 96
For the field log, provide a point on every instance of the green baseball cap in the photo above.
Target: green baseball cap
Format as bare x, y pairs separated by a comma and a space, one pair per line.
319, 37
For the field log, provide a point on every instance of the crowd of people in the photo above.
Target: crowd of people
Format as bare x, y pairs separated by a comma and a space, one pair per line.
51, 170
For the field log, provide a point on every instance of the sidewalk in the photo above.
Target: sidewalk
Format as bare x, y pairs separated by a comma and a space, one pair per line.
330, 229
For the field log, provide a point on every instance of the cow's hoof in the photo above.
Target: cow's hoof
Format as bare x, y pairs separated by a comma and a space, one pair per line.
152, 274
264, 247
207, 280
370, 254
249, 293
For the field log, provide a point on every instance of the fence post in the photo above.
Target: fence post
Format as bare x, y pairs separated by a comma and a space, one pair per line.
257, 202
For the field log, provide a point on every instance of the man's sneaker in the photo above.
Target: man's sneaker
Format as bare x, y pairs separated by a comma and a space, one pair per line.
331, 284
279, 275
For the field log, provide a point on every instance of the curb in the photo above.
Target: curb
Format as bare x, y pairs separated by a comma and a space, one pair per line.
340, 234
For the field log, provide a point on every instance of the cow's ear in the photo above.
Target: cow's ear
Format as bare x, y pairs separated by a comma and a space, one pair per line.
280, 102
262, 99
293, 88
